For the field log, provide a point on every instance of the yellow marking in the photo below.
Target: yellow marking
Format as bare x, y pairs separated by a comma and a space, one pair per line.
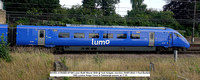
55, 30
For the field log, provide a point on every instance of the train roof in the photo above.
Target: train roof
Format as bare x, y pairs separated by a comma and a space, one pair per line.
102, 26
88, 27
3, 25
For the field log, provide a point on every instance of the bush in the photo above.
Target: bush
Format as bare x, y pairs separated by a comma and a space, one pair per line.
63, 60
4, 50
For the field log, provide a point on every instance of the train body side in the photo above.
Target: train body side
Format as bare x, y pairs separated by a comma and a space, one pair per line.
49, 36
26, 36
4, 31
86, 41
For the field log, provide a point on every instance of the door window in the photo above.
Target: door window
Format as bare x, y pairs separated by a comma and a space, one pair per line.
41, 33
151, 36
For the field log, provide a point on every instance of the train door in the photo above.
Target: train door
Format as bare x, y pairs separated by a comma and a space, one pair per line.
41, 37
170, 38
151, 38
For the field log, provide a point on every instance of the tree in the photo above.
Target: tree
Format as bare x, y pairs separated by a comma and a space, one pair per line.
140, 16
137, 5
46, 6
184, 13
89, 4
137, 8
107, 6
167, 1
89, 7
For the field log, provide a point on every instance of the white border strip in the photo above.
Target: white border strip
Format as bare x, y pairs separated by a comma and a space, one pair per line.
100, 73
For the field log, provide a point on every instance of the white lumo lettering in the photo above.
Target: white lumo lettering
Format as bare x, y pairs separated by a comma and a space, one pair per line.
100, 42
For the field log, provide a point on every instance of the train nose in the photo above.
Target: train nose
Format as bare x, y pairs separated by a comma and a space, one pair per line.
187, 44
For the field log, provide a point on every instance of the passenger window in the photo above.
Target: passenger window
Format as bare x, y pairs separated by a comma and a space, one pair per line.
63, 35
93, 35
178, 35
122, 36
41, 34
79, 35
107, 35
135, 36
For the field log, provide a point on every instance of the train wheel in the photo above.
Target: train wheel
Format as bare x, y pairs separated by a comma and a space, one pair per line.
158, 49
58, 50
184, 49
157, 52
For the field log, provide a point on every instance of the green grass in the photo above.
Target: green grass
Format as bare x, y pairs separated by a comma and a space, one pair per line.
36, 63
165, 67
27, 66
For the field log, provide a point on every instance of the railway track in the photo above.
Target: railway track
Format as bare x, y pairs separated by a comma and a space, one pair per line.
194, 45
194, 49
189, 52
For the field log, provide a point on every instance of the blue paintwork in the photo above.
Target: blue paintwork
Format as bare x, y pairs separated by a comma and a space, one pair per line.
4, 30
180, 42
28, 35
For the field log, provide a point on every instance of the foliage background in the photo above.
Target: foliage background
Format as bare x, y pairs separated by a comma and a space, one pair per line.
91, 12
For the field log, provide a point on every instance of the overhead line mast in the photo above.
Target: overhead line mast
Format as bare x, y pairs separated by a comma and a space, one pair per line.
194, 21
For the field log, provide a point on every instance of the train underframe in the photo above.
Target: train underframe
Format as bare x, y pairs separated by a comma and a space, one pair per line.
117, 48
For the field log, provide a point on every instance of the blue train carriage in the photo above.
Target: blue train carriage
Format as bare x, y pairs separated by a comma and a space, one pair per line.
101, 38
4, 31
